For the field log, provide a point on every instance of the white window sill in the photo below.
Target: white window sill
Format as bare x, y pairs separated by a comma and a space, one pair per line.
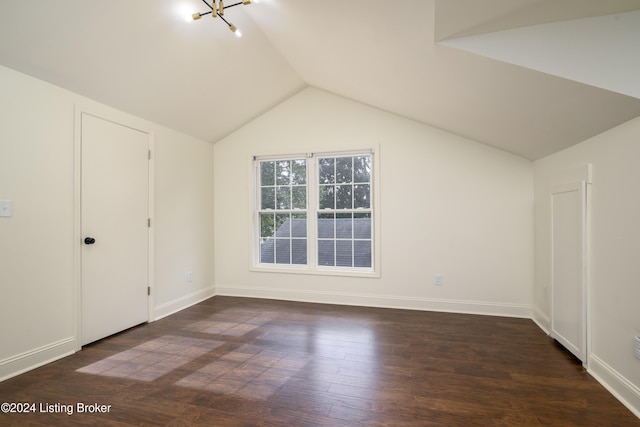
318, 271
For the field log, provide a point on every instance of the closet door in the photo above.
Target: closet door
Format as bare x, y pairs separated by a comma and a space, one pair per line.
568, 265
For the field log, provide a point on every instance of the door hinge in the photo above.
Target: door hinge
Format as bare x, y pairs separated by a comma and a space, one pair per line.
149, 222
148, 290
149, 155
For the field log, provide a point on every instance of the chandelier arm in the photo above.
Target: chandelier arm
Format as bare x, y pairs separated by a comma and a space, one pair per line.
225, 21
231, 5
219, 11
208, 5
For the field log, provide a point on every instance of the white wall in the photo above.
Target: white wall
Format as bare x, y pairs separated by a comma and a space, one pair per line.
593, 50
615, 251
183, 221
37, 302
448, 205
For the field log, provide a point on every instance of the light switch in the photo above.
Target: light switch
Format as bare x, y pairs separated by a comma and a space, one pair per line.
5, 208
437, 280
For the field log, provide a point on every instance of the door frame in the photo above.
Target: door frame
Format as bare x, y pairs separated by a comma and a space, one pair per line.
121, 119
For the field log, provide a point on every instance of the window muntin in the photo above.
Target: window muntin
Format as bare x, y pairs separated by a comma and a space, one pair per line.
335, 189
344, 222
282, 216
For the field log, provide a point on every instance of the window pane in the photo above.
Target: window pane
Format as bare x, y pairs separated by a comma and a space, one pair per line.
325, 253
344, 168
267, 251
362, 256
344, 253
283, 173
283, 197
344, 198
362, 196
283, 225
283, 251
326, 171
299, 225
267, 173
299, 172
267, 225
327, 197
342, 210
362, 226
362, 169
268, 198
299, 251
344, 226
299, 197
326, 226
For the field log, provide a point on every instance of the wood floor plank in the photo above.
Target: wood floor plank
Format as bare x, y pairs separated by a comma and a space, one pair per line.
249, 362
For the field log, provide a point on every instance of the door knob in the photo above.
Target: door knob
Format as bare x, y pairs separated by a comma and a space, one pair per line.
89, 240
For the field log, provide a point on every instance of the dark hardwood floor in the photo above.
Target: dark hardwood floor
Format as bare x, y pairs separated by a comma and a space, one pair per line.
248, 362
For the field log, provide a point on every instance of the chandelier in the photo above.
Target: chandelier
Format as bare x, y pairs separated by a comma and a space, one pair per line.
217, 9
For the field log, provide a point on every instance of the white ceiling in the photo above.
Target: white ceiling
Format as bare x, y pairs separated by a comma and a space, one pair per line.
142, 57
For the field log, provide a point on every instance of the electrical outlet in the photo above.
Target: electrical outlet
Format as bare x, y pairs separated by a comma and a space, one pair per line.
189, 276
437, 280
637, 341
5, 208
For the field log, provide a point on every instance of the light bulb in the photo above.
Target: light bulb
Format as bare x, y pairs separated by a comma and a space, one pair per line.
235, 30
185, 11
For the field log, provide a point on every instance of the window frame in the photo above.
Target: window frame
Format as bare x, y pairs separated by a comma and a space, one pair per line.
312, 210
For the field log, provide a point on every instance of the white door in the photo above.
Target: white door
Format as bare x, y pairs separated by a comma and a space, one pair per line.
568, 286
115, 232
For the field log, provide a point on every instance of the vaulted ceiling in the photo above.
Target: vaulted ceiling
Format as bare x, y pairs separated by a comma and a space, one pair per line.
421, 59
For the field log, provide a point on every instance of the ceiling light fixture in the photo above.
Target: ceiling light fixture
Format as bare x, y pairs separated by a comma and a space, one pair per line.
217, 9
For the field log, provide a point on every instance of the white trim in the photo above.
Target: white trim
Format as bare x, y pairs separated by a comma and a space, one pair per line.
621, 388
586, 256
171, 307
274, 157
381, 301
32, 359
77, 226
320, 271
342, 153
150, 251
541, 319
312, 268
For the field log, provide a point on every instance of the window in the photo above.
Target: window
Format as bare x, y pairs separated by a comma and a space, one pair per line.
315, 212
282, 215
344, 211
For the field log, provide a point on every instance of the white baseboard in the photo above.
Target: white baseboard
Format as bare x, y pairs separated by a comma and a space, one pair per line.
619, 386
16, 365
166, 309
541, 319
382, 301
